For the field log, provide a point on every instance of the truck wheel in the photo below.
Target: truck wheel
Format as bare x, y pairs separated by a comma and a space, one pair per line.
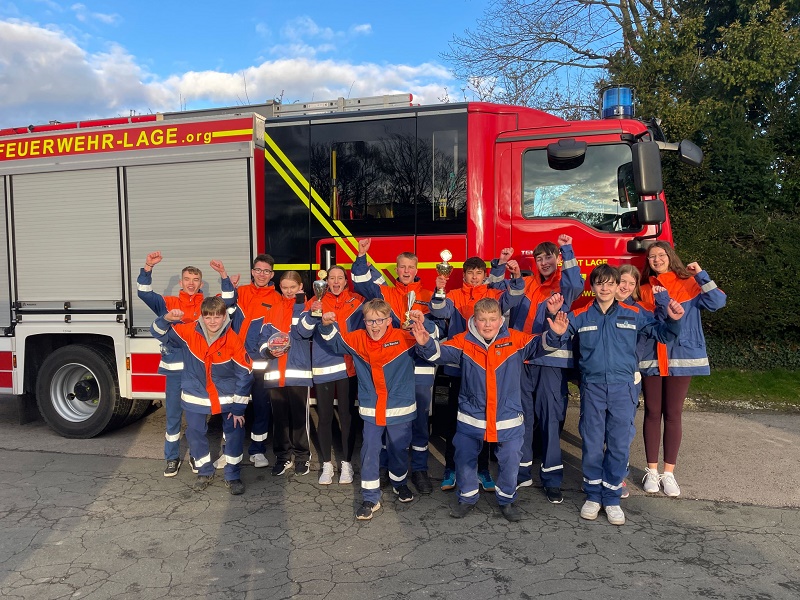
78, 394
138, 410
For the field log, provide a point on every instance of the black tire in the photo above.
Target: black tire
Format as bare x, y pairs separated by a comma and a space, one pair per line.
138, 410
78, 394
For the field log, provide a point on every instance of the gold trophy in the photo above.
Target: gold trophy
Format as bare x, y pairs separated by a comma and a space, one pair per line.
444, 269
412, 298
320, 287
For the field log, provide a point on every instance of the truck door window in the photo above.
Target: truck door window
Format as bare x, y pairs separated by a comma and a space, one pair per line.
599, 192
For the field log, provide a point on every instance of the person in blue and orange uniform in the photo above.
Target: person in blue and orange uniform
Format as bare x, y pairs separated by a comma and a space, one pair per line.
544, 380
490, 404
188, 301
457, 308
678, 361
334, 375
253, 303
608, 333
288, 377
368, 282
216, 379
384, 361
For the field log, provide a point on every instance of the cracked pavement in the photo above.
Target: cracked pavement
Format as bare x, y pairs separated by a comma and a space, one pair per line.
96, 519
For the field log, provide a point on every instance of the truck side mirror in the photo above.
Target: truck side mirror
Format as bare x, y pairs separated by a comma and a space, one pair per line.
566, 154
690, 153
651, 212
646, 160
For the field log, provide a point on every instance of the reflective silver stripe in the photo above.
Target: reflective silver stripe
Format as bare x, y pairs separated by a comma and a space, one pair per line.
295, 320
329, 370
611, 487
195, 399
515, 292
526, 464
361, 278
592, 481
234, 460
626, 325
226, 295
158, 329
547, 346
176, 366
472, 493
329, 336
637, 377
437, 305
199, 462
424, 370
272, 375
560, 353
390, 412
436, 354
509, 423
420, 448
648, 364
258, 438
394, 477
568, 264
556, 468
496, 278
259, 365
688, 362
372, 484
588, 328
471, 420
144, 288
290, 373
502, 493
240, 399
231, 310
307, 324
172, 438
707, 287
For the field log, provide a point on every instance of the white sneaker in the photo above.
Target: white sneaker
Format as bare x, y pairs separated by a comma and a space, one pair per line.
259, 461
590, 510
220, 462
346, 474
651, 480
669, 484
615, 515
326, 477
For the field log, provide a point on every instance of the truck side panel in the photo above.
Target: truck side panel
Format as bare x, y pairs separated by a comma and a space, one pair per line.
5, 283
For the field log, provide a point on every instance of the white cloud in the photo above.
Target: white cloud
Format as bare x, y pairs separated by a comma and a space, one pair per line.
364, 29
83, 15
47, 75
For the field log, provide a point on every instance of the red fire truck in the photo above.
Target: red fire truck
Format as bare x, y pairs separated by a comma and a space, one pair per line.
85, 202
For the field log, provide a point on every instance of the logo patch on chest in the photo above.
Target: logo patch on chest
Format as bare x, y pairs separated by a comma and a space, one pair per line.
503, 345
390, 344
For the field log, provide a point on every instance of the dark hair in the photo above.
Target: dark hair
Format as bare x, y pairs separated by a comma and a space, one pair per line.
675, 263
603, 274
213, 305
267, 258
545, 248
474, 262
340, 267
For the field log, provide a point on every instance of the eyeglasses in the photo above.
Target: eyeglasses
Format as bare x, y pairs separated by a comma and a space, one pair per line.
378, 322
655, 256
263, 271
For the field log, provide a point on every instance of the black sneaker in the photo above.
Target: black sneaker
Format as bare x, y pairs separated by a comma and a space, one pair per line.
302, 467
366, 510
235, 487
280, 467
403, 493
460, 510
510, 512
172, 467
193, 466
202, 482
422, 482
554, 495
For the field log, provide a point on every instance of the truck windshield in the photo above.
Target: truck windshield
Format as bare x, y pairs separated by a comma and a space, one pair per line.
599, 192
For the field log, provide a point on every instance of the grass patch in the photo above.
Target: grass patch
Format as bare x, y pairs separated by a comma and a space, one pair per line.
778, 388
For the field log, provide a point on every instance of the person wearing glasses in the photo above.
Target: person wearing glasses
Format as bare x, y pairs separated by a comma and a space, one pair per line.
334, 374
678, 361
253, 303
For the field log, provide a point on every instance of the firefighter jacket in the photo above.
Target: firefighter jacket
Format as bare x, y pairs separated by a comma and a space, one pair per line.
216, 377
457, 307
531, 313
326, 365
248, 317
646, 346
368, 282
384, 368
606, 342
293, 368
687, 355
171, 360
490, 401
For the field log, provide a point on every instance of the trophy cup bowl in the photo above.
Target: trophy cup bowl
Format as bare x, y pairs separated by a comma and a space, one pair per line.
279, 342
412, 298
444, 269
320, 286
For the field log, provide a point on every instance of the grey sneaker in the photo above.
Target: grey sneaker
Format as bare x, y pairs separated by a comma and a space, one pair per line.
259, 461
590, 510
651, 480
220, 462
346, 474
326, 477
615, 515
670, 486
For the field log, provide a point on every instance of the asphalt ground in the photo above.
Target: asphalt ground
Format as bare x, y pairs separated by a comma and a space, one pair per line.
97, 519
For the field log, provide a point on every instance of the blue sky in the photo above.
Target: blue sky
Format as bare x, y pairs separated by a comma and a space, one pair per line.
78, 60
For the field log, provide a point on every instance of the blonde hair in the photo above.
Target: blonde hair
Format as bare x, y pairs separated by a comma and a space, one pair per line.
377, 305
487, 305
631, 270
